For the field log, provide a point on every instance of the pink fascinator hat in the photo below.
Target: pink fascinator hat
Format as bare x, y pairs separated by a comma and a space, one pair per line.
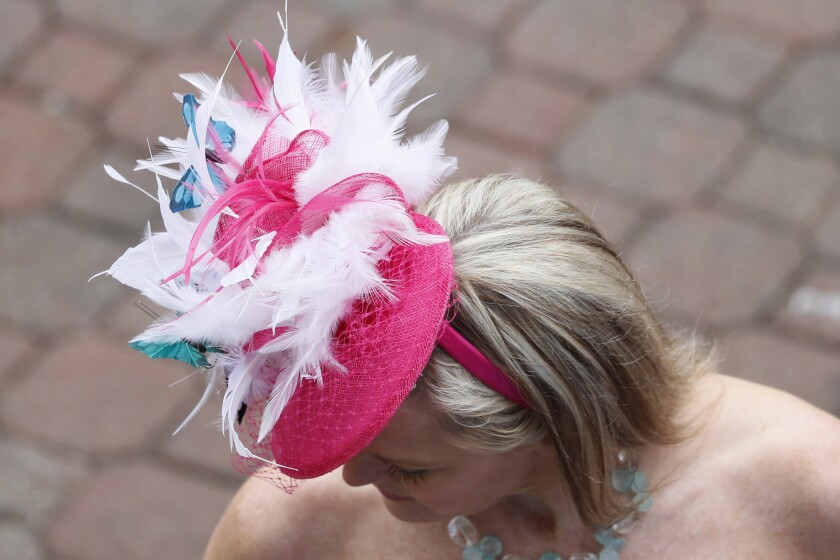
292, 263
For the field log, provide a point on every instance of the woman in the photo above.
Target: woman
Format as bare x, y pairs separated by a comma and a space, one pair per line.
479, 361
736, 470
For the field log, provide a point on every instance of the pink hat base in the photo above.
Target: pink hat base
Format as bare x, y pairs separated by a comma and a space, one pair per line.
384, 345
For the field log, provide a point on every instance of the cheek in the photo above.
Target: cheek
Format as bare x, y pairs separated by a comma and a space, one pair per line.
468, 491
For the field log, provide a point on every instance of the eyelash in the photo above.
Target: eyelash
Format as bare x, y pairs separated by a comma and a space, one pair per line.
404, 476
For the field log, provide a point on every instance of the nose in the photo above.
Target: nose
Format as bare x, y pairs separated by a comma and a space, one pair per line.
363, 469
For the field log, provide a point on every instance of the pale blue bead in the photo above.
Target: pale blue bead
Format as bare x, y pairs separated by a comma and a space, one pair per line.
609, 554
551, 556
626, 460
624, 526
640, 497
645, 506
616, 544
462, 531
515, 557
584, 556
640, 482
622, 480
473, 553
490, 545
604, 536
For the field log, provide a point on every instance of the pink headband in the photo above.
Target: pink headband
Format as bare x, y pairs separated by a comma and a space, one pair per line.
471, 358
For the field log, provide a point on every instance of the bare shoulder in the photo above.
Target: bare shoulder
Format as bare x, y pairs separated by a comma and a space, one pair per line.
263, 522
788, 454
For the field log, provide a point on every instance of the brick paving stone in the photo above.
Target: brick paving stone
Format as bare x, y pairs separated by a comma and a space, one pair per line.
797, 19
201, 441
724, 64
135, 512
97, 396
20, 21
125, 320
34, 481
614, 215
14, 345
25, 134
477, 159
486, 15
770, 359
152, 21
712, 268
522, 109
789, 186
804, 106
94, 194
18, 543
650, 144
146, 109
454, 63
349, 8
814, 306
828, 233
603, 40
47, 285
307, 29
77, 64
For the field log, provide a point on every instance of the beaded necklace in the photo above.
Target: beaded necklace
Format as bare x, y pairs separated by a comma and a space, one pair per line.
625, 480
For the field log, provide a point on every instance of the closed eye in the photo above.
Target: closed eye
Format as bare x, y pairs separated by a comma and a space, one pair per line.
405, 476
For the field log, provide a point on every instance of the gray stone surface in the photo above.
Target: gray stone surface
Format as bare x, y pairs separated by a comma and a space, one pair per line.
34, 481
711, 269
722, 63
602, 40
770, 359
28, 133
150, 21
93, 194
18, 543
791, 186
47, 288
76, 64
828, 231
480, 13
106, 517
14, 346
796, 19
651, 145
98, 396
522, 110
804, 106
19, 23
814, 306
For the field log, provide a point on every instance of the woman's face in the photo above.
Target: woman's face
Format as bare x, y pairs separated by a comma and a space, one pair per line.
423, 477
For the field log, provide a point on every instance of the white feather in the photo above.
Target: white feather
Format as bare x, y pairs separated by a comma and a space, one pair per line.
287, 89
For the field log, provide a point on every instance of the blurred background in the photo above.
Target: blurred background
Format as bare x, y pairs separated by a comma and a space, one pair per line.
702, 135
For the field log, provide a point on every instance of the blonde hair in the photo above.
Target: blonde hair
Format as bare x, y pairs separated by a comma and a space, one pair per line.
547, 298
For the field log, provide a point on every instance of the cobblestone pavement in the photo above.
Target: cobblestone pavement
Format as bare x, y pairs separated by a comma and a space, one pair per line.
704, 137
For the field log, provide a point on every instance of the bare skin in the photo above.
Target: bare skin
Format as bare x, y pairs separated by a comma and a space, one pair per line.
759, 480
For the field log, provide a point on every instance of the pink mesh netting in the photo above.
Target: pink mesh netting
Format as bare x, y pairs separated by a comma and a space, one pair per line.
384, 346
